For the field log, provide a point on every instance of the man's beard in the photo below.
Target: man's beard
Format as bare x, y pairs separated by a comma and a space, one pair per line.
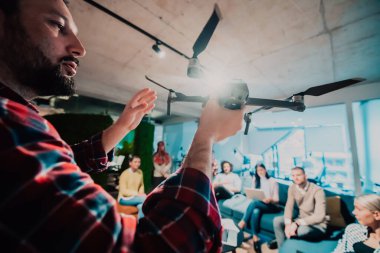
29, 65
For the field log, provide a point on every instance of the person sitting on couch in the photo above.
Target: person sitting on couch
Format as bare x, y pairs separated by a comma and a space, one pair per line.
310, 199
365, 236
262, 181
131, 185
226, 184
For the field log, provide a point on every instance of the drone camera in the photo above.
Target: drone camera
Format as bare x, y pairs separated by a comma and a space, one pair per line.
237, 97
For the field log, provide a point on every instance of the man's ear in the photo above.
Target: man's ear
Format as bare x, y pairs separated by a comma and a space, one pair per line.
376, 214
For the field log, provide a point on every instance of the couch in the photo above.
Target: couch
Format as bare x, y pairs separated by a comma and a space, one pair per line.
235, 207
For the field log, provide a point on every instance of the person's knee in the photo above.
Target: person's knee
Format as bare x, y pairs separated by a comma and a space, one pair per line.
303, 231
278, 221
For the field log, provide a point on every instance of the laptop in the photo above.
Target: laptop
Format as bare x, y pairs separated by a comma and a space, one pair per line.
253, 193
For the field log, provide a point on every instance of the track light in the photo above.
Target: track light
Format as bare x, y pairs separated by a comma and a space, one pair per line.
158, 51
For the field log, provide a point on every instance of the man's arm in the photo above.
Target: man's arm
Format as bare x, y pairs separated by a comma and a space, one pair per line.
216, 124
92, 155
290, 226
140, 104
182, 215
289, 206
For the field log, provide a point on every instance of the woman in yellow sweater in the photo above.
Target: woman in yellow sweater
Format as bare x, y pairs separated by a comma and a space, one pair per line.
131, 184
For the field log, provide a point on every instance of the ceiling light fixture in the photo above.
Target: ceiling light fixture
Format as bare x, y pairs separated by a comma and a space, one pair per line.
124, 21
158, 50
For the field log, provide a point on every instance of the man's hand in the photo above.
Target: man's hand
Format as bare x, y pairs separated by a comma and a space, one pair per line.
216, 123
140, 104
219, 123
291, 230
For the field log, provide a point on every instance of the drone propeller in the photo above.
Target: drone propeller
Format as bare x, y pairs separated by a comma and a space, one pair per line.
178, 96
297, 99
205, 36
326, 88
194, 69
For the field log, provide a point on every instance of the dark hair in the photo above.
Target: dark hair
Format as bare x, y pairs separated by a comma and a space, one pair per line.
158, 150
223, 162
299, 168
257, 177
131, 157
10, 7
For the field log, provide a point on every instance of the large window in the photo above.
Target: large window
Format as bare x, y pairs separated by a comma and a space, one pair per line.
367, 122
318, 142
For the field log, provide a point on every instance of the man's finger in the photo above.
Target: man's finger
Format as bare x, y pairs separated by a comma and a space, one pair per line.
149, 108
139, 95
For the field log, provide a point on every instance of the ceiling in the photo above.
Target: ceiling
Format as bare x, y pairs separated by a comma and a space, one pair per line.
278, 47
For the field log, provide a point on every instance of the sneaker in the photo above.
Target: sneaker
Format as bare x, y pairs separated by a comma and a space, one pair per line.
257, 246
272, 244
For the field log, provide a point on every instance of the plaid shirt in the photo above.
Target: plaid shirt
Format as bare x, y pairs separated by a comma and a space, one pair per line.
47, 203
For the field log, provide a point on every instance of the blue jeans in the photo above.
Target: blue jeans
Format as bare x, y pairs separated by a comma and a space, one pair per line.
254, 211
134, 201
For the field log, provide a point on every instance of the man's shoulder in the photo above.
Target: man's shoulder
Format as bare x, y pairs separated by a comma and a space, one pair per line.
315, 187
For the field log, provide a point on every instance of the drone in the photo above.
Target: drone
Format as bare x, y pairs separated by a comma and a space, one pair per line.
237, 97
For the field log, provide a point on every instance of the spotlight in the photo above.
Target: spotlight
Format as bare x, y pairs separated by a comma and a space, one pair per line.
158, 51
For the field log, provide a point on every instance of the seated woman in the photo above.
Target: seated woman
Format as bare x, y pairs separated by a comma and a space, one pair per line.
365, 236
131, 185
162, 164
256, 208
226, 183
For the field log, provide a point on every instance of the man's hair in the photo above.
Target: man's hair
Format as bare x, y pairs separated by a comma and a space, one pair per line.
299, 168
9, 7
133, 157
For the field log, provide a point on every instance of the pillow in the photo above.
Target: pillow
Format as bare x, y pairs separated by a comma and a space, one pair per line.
334, 212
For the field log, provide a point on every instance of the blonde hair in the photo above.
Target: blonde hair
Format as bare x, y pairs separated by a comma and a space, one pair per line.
370, 202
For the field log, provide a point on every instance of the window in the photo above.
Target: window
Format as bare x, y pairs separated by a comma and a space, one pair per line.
367, 122
318, 141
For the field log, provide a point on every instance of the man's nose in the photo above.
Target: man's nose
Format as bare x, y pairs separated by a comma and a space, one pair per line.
76, 47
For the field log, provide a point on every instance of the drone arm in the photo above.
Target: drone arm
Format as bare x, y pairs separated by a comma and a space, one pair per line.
247, 119
189, 99
169, 102
296, 106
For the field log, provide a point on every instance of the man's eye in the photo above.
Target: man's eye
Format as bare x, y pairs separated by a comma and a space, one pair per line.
58, 25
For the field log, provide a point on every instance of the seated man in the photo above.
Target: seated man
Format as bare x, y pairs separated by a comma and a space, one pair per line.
226, 184
131, 184
310, 199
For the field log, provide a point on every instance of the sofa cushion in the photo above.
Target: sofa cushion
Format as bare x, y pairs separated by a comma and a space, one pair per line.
228, 206
266, 222
283, 193
333, 211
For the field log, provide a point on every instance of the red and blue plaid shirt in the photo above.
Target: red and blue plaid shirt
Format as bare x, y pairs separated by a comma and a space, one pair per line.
48, 203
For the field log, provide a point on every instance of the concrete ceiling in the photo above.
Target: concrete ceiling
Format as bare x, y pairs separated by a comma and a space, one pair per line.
279, 47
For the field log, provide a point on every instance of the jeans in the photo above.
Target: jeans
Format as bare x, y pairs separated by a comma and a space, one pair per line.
303, 232
254, 211
134, 201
